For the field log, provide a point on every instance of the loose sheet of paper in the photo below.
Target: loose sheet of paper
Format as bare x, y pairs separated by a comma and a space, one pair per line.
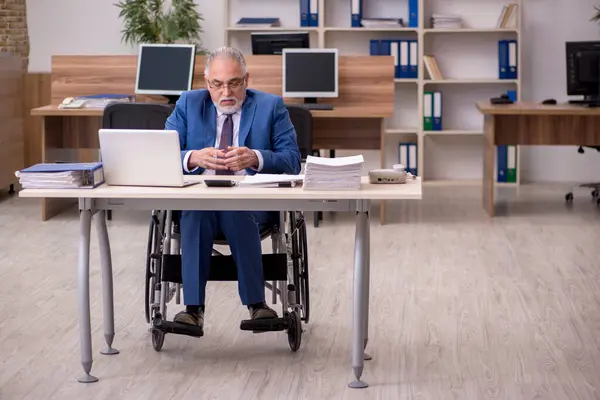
269, 179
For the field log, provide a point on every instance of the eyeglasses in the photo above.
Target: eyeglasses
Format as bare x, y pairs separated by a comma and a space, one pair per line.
232, 84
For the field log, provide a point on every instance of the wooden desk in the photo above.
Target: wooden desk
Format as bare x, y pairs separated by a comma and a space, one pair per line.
529, 123
200, 197
366, 98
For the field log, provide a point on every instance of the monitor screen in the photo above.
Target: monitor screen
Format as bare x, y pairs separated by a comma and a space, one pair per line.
583, 68
165, 69
587, 66
310, 73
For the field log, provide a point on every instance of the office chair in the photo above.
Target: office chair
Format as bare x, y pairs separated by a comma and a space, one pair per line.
595, 186
135, 116
303, 124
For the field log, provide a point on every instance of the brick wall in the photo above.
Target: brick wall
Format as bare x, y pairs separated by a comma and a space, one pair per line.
13, 29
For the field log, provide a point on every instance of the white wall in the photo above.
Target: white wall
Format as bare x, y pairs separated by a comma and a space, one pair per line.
548, 24
93, 27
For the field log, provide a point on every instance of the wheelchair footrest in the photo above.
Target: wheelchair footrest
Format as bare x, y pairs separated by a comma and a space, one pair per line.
178, 328
264, 325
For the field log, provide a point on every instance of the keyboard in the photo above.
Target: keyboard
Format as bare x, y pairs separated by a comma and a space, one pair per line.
313, 106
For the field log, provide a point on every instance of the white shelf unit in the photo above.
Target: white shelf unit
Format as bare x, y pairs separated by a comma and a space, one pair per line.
467, 57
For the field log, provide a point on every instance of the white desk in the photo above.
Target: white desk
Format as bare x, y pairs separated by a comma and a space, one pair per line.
201, 197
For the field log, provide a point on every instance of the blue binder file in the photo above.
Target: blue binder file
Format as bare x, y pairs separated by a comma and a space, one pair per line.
408, 156
395, 51
502, 161
512, 94
436, 123
62, 175
385, 47
374, 45
404, 54
413, 59
304, 12
356, 13
413, 13
314, 13
512, 59
503, 59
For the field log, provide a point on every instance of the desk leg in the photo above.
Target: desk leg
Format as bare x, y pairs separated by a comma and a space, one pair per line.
83, 293
366, 283
360, 300
107, 283
489, 152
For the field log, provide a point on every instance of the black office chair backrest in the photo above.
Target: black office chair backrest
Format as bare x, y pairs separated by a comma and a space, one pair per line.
303, 123
136, 116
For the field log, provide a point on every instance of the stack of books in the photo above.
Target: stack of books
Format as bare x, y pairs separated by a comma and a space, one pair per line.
508, 17
440, 21
249, 22
432, 68
61, 176
382, 22
340, 173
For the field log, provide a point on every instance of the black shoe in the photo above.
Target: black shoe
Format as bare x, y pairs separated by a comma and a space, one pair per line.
261, 311
190, 318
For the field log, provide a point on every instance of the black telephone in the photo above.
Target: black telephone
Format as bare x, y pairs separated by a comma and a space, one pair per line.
219, 183
503, 99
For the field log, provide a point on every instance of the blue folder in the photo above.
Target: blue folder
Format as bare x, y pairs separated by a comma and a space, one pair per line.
92, 173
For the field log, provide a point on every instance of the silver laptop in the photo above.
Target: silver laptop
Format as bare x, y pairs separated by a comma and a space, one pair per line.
141, 157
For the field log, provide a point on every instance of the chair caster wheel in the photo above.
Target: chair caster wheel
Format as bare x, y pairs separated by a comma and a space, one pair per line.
158, 339
569, 197
595, 193
294, 331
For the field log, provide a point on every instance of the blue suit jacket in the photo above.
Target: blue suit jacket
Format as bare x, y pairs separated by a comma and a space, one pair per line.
265, 126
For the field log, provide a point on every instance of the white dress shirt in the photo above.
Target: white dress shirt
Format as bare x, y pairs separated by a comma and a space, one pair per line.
221, 117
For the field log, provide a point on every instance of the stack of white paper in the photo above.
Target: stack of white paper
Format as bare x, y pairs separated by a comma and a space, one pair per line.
340, 173
439, 21
61, 175
51, 180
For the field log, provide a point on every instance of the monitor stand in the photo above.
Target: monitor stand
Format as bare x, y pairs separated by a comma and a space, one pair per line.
310, 100
589, 101
173, 98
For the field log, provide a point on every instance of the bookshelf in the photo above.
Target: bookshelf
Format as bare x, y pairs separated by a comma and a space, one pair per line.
467, 56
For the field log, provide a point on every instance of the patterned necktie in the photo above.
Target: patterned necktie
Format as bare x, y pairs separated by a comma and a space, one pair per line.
226, 140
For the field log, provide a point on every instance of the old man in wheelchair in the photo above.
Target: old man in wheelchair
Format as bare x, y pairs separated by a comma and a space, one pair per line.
229, 129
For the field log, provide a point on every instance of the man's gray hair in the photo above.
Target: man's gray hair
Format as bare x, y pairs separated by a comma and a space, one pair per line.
228, 52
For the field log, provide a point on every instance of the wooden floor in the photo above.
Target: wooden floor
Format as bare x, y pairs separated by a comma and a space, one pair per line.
462, 307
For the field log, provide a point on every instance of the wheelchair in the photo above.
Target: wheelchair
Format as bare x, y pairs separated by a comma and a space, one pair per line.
285, 272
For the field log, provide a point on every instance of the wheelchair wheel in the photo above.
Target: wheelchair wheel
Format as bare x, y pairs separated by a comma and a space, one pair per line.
294, 331
148, 270
304, 287
300, 263
153, 261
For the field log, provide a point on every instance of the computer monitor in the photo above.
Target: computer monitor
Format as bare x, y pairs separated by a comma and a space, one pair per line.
310, 73
583, 72
165, 69
272, 43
